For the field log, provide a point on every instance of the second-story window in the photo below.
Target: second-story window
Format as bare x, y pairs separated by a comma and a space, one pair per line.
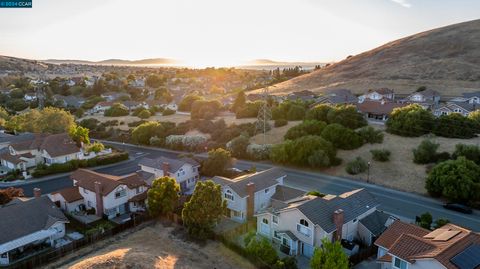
302, 228
120, 193
229, 195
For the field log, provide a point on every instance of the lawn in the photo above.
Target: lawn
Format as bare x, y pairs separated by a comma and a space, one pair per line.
152, 247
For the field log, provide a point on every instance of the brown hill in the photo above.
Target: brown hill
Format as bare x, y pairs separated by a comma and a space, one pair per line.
446, 59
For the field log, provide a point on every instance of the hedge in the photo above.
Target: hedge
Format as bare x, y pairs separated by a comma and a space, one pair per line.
44, 170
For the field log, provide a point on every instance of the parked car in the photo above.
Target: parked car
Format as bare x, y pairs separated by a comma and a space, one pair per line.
458, 207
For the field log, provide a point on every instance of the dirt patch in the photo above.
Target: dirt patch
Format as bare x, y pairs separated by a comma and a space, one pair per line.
400, 172
155, 246
275, 135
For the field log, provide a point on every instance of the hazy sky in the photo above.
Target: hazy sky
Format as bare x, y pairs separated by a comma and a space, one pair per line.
219, 32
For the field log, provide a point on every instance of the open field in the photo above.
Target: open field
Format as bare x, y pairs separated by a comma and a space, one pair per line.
400, 172
153, 247
274, 135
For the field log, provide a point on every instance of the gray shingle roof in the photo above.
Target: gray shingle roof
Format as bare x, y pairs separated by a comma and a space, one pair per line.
471, 94
262, 180
7, 138
320, 211
376, 222
21, 218
175, 164
284, 193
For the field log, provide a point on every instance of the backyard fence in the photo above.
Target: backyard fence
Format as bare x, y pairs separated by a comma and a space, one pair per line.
363, 254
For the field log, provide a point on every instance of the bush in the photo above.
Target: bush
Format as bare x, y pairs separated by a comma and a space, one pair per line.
90, 124
356, 166
296, 112
319, 113
117, 110
238, 146
342, 137
308, 127
280, 122
186, 103
426, 152
168, 112
202, 109
471, 152
455, 125
370, 135
249, 110
144, 114
136, 123
346, 115
259, 152
411, 120
186, 142
262, 250
380, 155
142, 133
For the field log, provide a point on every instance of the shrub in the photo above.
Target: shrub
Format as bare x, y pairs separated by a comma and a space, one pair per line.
249, 110
280, 122
90, 124
259, 152
318, 112
202, 109
356, 166
426, 152
296, 112
316, 193
144, 114
411, 120
262, 250
168, 112
346, 115
380, 155
117, 110
142, 133
308, 127
370, 135
238, 146
455, 125
342, 137
186, 142
136, 123
471, 152
186, 103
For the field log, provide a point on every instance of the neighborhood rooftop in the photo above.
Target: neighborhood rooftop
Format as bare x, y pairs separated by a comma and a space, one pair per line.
87, 178
173, 164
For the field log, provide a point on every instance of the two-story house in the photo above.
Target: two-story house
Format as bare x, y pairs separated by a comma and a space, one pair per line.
248, 194
298, 225
427, 98
448, 108
377, 95
29, 225
110, 195
468, 97
336, 97
185, 170
407, 246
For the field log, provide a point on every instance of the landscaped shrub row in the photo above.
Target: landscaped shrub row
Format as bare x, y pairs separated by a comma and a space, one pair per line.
44, 170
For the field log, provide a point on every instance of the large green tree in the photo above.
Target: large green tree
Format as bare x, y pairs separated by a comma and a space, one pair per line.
346, 115
204, 209
240, 101
456, 180
342, 137
163, 196
117, 110
411, 120
186, 103
263, 250
455, 125
79, 134
217, 162
329, 256
49, 120
308, 127
142, 133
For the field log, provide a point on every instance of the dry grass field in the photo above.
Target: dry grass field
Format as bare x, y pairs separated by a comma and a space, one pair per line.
400, 172
153, 247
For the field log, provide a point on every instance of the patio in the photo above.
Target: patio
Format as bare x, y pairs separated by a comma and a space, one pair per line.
85, 218
121, 219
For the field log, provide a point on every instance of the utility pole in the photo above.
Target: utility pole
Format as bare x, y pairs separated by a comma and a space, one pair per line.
264, 115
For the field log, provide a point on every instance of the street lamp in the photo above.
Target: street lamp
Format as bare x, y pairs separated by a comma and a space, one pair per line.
368, 172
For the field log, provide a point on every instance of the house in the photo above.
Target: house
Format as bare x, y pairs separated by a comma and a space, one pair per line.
372, 226
42, 148
336, 97
69, 199
8, 139
132, 105
102, 106
185, 171
377, 110
305, 96
30, 97
463, 108
378, 95
29, 226
298, 225
248, 194
427, 98
109, 195
407, 246
113, 96
70, 100
137, 83
470, 97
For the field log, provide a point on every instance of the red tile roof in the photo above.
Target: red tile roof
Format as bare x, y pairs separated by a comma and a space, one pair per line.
87, 178
379, 108
70, 194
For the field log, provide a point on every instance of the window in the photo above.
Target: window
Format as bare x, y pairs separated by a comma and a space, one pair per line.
400, 263
285, 242
137, 190
267, 190
237, 214
181, 172
89, 204
275, 219
229, 195
265, 221
304, 222
85, 191
354, 220
302, 228
120, 193
276, 235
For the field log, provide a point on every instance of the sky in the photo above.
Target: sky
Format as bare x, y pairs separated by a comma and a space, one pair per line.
219, 32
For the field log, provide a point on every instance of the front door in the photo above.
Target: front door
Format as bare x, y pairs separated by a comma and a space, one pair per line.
122, 209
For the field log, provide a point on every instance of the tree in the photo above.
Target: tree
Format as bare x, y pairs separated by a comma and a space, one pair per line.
95, 147
262, 250
440, 223
288, 262
6, 195
154, 81
204, 209
426, 152
425, 220
319, 113
457, 180
79, 113
249, 110
186, 103
346, 115
144, 114
163, 196
329, 256
411, 120
470, 152
217, 162
202, 109
296, 112
49, 120
370, 135
342, 137
142, 133
455, 125
308, 127
239, 102
117, 110
238, 146
79, 134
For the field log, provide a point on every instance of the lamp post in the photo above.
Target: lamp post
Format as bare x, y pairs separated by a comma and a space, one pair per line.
368, 172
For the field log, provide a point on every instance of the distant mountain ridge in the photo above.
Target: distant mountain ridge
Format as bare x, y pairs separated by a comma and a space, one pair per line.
445, 59
152, 61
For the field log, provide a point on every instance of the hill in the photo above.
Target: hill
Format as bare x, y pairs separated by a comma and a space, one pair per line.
446, 59
154, 61
12, 64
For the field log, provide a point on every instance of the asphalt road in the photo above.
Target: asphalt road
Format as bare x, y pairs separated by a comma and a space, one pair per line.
401, 204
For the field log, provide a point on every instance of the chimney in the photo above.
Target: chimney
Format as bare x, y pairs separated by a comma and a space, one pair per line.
338, 218
166, 169
99, 199
37, 192
250, 199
